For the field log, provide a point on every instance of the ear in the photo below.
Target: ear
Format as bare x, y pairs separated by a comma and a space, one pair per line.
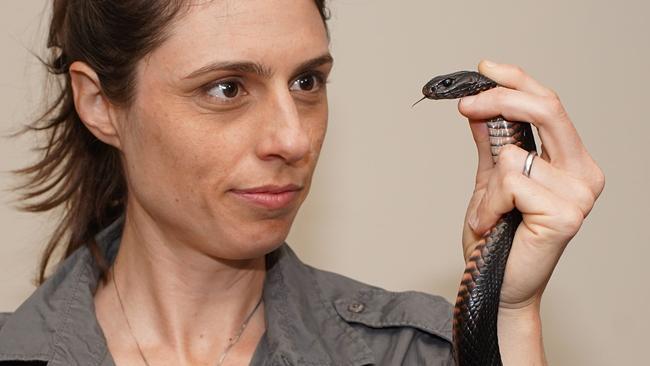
93, 107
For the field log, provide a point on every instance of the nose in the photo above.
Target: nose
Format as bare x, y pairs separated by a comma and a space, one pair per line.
283, 135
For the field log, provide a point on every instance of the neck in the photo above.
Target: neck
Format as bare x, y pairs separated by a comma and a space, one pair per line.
176, 297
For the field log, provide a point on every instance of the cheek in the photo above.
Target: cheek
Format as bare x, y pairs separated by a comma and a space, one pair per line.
318, 137
175, 156
316, 120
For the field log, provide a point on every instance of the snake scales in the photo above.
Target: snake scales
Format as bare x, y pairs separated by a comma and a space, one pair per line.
475, 338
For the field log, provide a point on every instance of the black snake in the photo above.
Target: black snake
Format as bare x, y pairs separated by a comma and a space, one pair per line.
475, 339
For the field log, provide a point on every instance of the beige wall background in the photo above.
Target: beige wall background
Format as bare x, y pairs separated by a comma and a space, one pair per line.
390, 191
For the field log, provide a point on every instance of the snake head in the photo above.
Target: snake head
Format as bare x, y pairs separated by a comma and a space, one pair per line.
456, 85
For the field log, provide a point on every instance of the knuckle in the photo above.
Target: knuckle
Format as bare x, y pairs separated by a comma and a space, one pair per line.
510, 149
571, 218
500, 94
598, 181
551, 93
510, 180
554, 107
592, 178
509, 157
584, 197
517, 71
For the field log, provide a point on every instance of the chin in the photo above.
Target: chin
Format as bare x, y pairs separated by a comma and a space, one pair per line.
254, 241
251, 249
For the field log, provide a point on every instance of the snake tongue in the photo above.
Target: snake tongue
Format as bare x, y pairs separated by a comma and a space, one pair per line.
423, 98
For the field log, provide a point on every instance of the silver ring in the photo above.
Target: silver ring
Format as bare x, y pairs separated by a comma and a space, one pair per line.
529, 163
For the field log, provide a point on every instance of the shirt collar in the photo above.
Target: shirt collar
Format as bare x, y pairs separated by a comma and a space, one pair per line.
57, 323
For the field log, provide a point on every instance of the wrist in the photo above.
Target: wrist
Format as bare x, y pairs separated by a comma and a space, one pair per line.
520, 335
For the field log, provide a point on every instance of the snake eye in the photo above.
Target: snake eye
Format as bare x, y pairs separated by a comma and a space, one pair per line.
447, 82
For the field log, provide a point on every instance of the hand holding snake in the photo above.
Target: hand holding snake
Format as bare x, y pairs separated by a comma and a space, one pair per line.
560, 191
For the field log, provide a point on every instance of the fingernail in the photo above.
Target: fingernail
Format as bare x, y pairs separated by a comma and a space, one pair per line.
489, 63
473, 221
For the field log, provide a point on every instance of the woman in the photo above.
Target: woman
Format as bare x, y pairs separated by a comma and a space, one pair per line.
183, 144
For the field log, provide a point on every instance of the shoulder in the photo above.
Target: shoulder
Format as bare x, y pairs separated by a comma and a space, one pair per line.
3, 318
400, 327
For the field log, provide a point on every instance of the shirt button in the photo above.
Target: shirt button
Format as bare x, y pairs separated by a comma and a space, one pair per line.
356, 307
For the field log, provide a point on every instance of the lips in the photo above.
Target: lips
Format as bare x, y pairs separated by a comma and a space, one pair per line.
269, 196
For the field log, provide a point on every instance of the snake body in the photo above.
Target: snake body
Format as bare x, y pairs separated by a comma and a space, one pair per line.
475, 340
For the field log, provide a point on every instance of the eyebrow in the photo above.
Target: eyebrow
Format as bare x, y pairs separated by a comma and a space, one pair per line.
248, 67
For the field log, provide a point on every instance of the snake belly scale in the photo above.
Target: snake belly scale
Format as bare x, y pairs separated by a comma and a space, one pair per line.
475, 340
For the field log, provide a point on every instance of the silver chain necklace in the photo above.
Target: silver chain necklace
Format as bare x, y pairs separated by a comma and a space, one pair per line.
231, 341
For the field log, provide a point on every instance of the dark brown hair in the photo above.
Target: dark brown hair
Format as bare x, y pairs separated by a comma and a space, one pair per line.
77, 172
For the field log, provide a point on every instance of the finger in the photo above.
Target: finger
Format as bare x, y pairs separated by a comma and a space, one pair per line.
577, 192
513, 77
556, 130
543, 211
482, 139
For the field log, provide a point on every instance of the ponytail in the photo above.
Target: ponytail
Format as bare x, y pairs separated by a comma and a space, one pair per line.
77, 173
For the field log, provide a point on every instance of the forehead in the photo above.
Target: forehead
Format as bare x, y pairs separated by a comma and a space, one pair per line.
266, 31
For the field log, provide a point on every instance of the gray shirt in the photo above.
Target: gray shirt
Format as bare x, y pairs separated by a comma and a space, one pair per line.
313, 317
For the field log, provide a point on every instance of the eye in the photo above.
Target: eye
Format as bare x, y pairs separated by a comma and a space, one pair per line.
306, 83
224, 89
447, 82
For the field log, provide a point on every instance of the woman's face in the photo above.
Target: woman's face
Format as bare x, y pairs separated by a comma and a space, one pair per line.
227, 123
